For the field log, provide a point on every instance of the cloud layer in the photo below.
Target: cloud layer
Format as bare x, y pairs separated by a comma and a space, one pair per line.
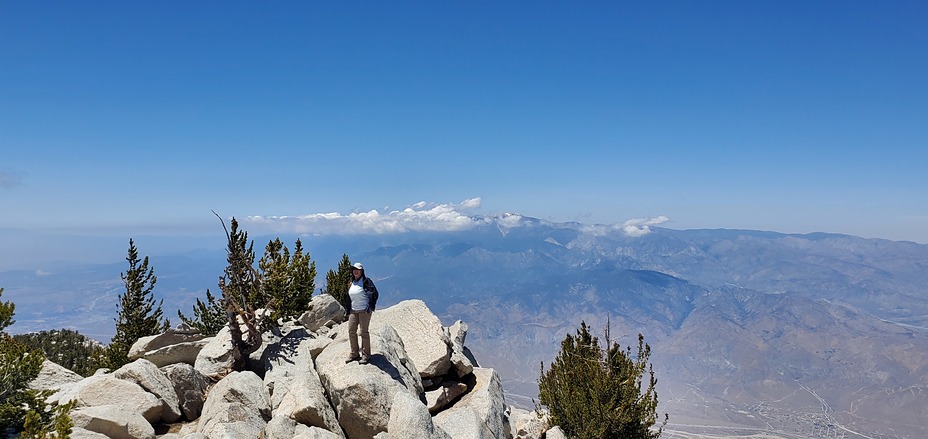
641, 226
419, 217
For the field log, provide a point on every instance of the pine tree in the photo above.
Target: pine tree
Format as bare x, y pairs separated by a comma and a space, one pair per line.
275, 278
593, 393
301, 283
240, 282
53, 423
337, 282
6, 313
242, 294
66, 348
209, 317
19, 365
22, 408
138, 316
288, 282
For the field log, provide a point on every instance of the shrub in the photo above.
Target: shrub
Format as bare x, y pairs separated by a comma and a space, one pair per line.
595, 393
66, 348
336, 282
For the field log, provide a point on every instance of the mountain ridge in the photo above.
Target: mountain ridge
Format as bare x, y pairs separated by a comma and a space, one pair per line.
739, 321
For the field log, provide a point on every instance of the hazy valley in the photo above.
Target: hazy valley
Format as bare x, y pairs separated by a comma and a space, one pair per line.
752, 332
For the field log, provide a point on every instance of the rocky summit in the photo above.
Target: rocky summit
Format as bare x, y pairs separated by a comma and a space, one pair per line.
421, 382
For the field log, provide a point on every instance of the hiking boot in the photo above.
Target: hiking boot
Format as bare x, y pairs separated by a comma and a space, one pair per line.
364, 360
350, 359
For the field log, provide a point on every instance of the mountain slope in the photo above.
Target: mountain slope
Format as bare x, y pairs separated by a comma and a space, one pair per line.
752, 332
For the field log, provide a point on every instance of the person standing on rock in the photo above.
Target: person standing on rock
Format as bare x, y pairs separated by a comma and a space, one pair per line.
363, 297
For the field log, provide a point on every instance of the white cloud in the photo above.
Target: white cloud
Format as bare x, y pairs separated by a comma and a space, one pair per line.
634, 227
471, 204
509, 220
641, 226
419, 217
42, 273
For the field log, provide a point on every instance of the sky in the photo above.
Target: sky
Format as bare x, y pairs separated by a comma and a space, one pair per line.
129, 118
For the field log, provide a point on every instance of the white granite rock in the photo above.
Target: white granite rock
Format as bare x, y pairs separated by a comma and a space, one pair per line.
53, 376
362, 394
238, 406
481, 413
424, 338
154, 381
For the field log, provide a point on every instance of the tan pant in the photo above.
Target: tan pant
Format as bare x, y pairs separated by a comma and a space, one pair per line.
363, 319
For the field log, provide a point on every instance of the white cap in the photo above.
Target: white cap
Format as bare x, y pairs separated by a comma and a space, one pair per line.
358, 266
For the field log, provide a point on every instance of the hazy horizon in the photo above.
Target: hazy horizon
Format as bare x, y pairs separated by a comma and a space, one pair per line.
25, 249
789, 117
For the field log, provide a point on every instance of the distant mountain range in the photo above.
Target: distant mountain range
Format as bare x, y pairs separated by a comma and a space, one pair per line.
816, 335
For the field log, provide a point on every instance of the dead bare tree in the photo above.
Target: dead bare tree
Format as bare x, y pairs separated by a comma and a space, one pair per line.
241, 291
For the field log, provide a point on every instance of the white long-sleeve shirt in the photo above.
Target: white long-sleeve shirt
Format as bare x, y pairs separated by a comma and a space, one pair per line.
359, 299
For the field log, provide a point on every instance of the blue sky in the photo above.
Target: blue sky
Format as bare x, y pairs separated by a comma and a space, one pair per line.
140, 117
